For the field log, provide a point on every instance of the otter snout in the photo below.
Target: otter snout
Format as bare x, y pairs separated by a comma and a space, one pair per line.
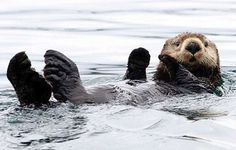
193, 47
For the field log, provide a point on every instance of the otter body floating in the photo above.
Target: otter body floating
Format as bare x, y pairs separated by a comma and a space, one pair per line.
176, 74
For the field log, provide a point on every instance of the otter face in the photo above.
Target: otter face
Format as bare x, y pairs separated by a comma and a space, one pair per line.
196, 53
192, 49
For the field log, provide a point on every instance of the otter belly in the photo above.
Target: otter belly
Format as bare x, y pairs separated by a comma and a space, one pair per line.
137, 93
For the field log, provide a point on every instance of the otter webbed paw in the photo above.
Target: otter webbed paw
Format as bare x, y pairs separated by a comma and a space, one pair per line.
30, 86
138, 61
63, 75
18, 65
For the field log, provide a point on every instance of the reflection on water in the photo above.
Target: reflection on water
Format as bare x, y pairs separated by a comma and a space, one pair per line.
99, 35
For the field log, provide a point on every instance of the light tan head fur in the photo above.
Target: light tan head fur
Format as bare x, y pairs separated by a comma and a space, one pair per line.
204, 62
176, 48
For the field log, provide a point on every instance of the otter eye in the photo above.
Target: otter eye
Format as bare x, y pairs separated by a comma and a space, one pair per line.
177, 43
206, 44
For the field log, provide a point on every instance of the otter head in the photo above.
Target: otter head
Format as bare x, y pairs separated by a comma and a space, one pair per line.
196, 53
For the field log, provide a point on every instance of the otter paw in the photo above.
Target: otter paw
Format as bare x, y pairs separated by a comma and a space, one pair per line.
62, 73
18, 65
171, 64
30, 86
168, 60
138, 61
139, 58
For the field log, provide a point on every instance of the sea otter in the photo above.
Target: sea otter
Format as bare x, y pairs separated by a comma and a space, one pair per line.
189, 63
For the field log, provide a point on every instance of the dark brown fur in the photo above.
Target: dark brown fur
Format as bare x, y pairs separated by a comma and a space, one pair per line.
30, 86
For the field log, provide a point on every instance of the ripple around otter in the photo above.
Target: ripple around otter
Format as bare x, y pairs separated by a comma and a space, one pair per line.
99, 35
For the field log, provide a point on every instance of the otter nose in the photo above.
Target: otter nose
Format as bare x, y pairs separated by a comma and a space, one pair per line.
193, 47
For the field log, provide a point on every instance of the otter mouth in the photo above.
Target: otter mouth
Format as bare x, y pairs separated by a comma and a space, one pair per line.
192, 48
192, 59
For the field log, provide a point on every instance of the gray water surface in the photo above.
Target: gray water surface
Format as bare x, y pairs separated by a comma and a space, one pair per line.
99, 35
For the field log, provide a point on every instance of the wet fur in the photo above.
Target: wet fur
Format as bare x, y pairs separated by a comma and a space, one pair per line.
61, 76
205, 64
138, 61
30, 86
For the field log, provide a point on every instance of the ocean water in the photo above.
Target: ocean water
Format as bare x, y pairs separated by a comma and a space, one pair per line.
99, 35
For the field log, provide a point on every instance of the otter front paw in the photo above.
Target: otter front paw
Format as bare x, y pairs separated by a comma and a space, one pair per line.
137, 63
139, 58
171, 64
168, 60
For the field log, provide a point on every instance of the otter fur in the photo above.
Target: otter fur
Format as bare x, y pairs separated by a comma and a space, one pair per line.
174, 75
196, 53
30, 86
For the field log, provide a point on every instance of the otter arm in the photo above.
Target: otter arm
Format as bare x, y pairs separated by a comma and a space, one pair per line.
184, 78
187, 80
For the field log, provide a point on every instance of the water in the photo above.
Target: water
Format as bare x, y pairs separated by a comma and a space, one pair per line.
99, 35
